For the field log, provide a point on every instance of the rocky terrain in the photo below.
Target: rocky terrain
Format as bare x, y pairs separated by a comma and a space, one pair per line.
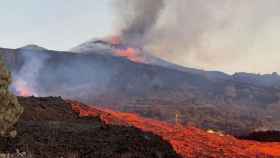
49, 128
264, 136
78, 130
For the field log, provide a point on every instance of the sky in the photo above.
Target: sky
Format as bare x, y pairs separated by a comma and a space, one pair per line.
225, 35
53, 24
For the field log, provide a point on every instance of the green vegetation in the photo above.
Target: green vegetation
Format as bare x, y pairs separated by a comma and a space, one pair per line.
10, 109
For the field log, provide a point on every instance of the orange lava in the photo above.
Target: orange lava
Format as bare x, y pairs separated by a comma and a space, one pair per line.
269, 148
22, 89
24, 93
189, 142
130, 54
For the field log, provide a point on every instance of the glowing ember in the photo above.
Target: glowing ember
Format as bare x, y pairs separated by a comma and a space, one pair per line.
130, 54
21, 89
126, 52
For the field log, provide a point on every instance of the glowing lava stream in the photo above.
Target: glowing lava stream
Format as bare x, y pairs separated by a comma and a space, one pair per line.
190, 142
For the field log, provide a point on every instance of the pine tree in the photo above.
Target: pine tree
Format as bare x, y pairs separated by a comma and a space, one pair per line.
10, 109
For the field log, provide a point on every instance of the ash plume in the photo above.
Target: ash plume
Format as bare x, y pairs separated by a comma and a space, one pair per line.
138, 18
227, 35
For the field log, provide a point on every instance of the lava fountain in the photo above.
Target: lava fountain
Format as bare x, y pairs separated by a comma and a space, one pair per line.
132, 54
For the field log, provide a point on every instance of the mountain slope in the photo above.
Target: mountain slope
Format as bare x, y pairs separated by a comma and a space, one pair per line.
142, 56
106, 46
153, 91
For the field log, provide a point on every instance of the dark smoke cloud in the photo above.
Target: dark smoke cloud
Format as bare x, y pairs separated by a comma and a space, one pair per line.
228, 35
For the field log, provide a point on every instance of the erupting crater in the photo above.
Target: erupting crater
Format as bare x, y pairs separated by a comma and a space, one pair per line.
122, 50
115, 46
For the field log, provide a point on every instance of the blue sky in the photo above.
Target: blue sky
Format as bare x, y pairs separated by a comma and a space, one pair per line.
54, 24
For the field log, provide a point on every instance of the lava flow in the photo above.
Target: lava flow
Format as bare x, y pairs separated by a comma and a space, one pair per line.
189, 142
130, 54
124, 51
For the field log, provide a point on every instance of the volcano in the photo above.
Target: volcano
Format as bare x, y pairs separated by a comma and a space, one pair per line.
236, 104
115, 47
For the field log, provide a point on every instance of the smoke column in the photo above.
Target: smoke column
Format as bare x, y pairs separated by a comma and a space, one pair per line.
25, 82
227, 35
138, 18
73, 76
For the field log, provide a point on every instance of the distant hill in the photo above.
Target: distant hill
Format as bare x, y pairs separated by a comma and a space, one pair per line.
32, 47
267, 80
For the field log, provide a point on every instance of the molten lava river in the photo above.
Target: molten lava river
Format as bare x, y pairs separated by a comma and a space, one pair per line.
190, 142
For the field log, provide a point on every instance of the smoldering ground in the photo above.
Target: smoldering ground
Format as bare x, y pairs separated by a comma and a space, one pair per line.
73, 76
